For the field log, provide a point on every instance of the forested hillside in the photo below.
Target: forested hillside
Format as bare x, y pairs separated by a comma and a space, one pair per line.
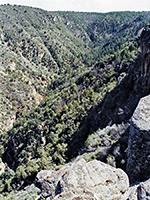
56, 69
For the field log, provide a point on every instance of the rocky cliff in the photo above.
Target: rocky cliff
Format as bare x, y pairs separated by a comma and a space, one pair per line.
145, 51
139, 142
139, 138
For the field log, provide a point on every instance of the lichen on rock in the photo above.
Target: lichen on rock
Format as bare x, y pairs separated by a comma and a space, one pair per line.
84, 180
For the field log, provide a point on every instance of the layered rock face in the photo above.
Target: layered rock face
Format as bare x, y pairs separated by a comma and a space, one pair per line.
145, 51
139, 142
85, 181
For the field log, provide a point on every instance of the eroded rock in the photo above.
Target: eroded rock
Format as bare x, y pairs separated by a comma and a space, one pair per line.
139, 142
85, 180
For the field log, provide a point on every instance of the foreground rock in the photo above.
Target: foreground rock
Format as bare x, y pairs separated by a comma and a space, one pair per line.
92, 180
83, 181
139, 142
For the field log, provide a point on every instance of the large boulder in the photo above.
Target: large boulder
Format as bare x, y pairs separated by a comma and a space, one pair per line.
84, 180
139, 142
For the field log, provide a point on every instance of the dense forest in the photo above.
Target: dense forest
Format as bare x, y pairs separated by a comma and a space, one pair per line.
56, 69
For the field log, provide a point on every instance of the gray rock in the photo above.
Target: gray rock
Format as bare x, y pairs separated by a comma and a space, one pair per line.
49, 182
140, 191
42, 175
139, 142
86, 180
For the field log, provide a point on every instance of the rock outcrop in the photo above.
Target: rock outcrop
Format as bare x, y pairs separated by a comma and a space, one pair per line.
92, 180
82, 180
139, 142
145, 51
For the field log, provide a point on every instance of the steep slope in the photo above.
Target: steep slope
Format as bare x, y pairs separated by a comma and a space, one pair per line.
39, 46
31, 55
77, 63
